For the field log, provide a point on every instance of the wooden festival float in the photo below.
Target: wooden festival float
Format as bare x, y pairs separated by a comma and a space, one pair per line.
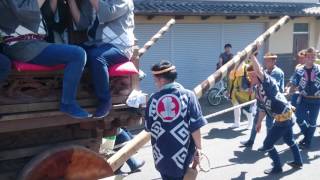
37, 142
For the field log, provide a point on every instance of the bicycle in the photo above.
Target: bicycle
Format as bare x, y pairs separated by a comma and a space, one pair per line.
216, 94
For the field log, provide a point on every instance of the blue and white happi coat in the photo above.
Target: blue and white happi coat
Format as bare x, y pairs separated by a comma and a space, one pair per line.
308, 86
269, 98
172, 115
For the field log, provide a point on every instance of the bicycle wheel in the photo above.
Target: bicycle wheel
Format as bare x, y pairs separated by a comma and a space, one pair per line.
214, 97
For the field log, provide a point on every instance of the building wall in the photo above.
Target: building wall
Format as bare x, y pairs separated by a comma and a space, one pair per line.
282, 41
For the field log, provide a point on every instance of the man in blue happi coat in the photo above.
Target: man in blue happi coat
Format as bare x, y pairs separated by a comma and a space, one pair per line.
306, 79
174, 118
272, 102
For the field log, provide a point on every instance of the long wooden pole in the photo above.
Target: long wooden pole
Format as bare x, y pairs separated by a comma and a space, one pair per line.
156, 37
240, 57
143, 137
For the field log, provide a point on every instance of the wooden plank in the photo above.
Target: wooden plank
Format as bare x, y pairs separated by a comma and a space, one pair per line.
41, 106
47, 119
31, 151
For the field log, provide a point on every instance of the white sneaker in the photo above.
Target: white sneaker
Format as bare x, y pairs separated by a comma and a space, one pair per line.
234, 125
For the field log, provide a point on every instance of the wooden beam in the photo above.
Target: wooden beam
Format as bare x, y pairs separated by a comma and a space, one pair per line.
150, 17
274, 17
253, 17
50, 106
49, 119
178, 17
205, 17
231, 17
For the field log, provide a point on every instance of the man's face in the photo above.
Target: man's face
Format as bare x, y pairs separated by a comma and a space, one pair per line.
227, 49
310, 58
157, 82
269, 63
301, 59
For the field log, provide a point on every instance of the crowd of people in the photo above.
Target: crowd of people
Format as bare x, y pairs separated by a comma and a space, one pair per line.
267, 86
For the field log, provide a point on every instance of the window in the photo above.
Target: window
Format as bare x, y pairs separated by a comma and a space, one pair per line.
301, 28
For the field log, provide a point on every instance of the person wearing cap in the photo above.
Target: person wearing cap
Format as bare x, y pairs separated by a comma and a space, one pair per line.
174, 118
277, 74
271, 101
306, 79
240, 92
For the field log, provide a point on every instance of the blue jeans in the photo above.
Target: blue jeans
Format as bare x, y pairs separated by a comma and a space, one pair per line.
122, 137
5, 67
284, 130
74, 58
253, 133
100, 58
307, 114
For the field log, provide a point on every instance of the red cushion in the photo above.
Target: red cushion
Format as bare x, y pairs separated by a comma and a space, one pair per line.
22, 66
120, 69
123, 69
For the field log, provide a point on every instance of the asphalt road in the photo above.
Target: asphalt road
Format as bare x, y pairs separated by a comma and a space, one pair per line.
229, 161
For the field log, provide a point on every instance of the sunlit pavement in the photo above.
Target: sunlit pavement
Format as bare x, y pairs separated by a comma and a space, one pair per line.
229, 161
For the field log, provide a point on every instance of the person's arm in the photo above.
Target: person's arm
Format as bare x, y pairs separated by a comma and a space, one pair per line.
261, 116
40, 3
53, 5
81, 17
257, 67
110, 11
282, 83
292, 84
220, 61
196, 136
74, 9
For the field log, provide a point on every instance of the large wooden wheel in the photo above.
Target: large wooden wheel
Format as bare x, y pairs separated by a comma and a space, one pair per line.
66, 163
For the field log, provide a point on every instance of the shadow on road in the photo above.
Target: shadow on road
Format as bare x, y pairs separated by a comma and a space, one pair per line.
247, 156
224, 133
242, 176
276, 176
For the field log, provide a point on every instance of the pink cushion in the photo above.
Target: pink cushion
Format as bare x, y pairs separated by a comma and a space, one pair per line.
120, 69
22, 66
123, 69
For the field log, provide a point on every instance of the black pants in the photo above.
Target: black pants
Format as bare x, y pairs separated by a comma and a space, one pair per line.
165, 177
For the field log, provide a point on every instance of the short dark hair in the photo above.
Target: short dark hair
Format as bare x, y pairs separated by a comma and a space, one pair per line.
170, 75
227, 46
